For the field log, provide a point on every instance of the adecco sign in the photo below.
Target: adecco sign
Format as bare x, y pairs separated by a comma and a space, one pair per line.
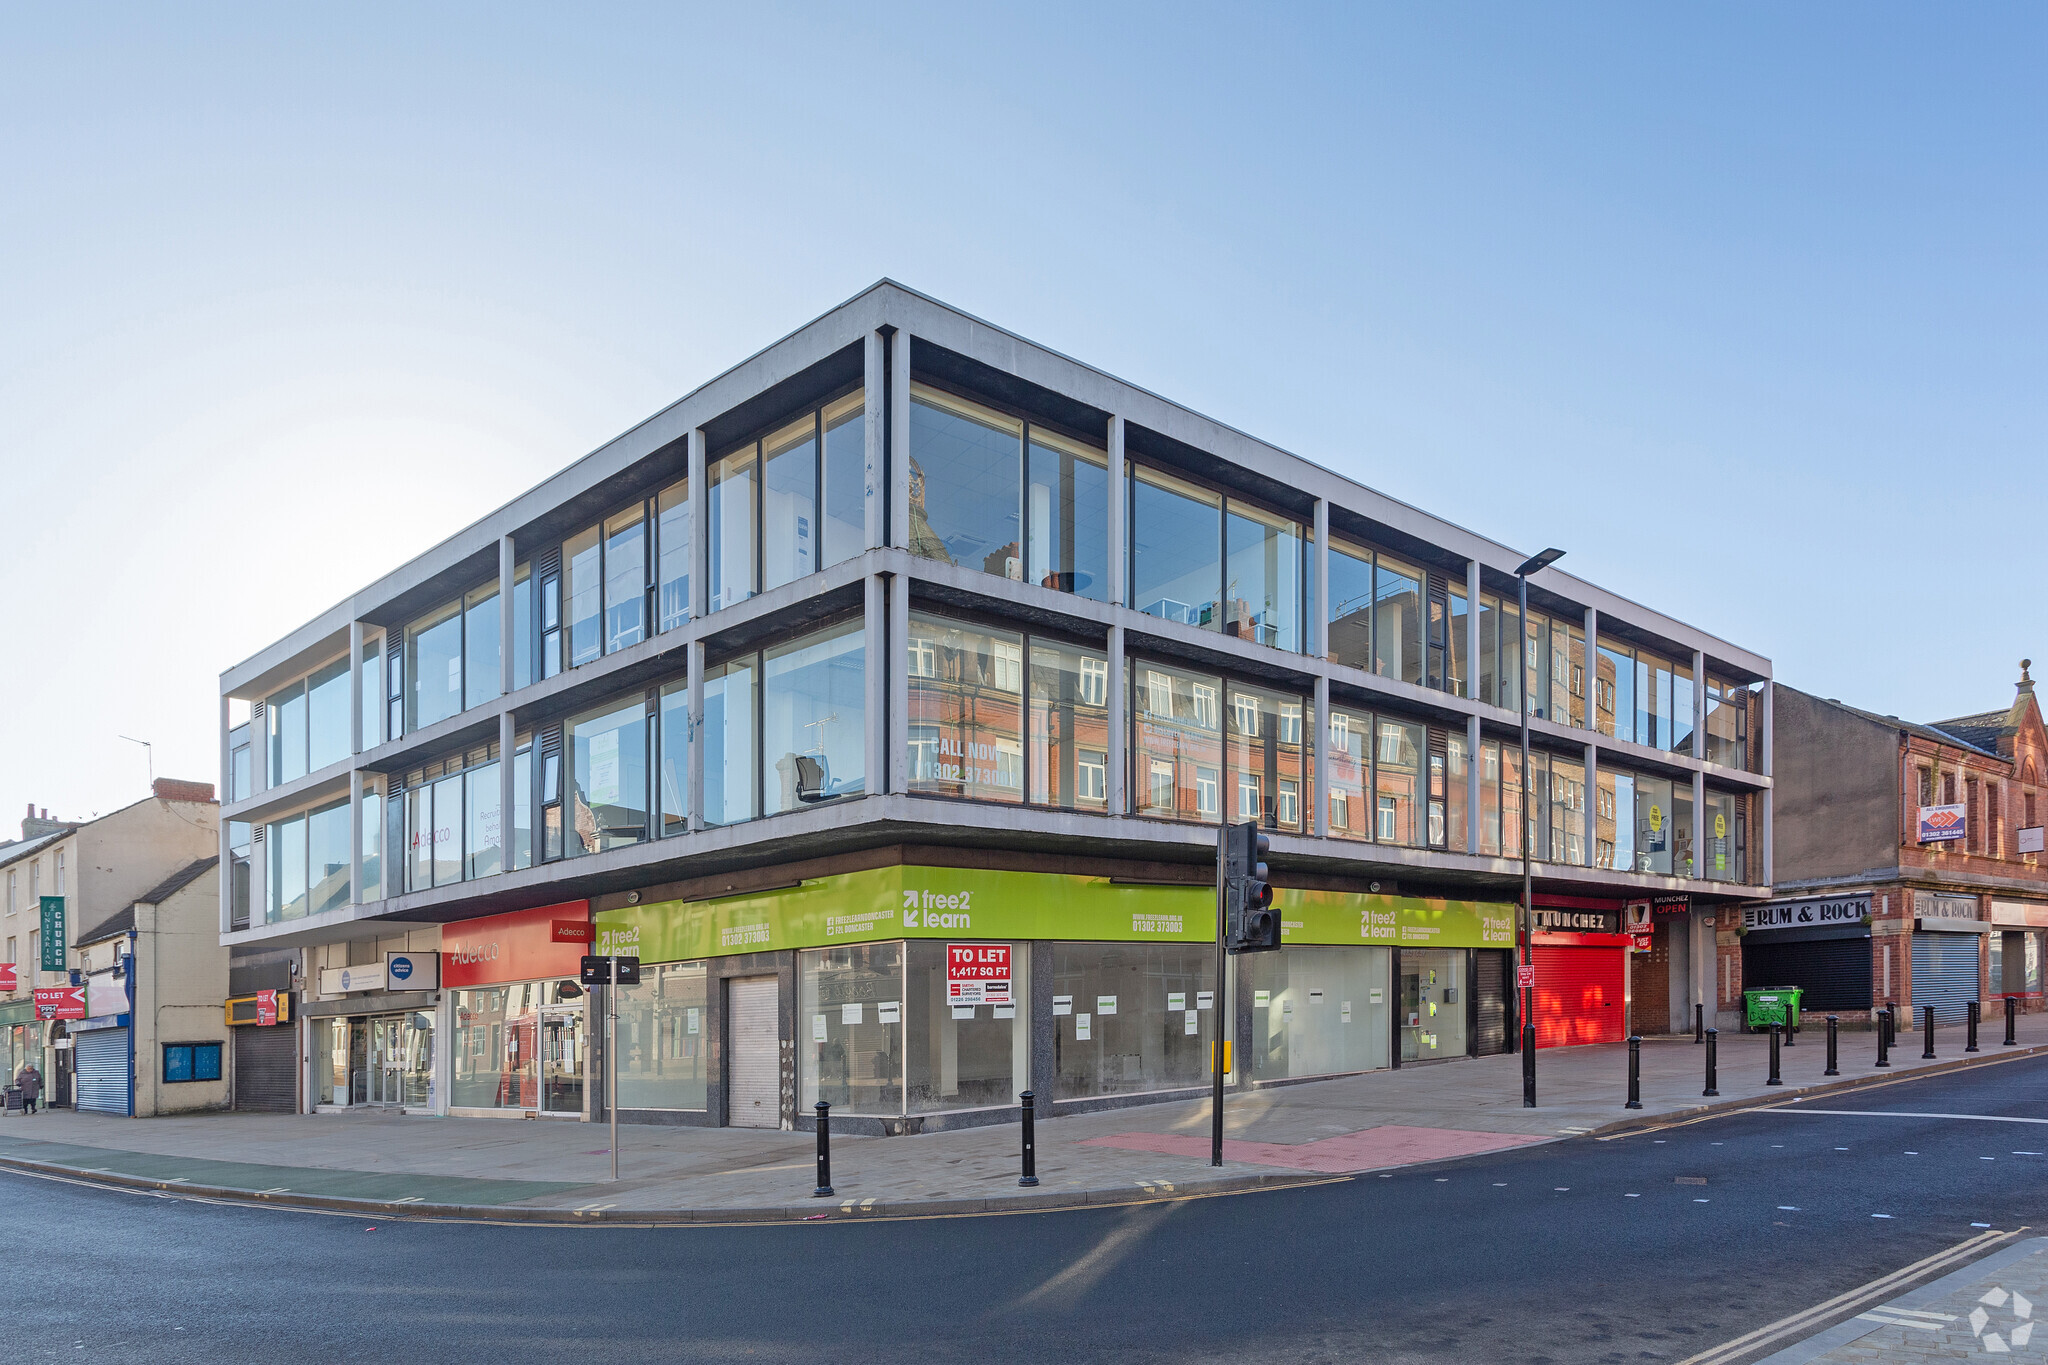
517, 947
1805, 914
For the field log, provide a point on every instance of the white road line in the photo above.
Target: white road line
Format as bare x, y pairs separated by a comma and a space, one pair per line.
1899, 1114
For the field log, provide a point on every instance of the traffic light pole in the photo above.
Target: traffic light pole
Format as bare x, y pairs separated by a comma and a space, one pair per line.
1222, 1010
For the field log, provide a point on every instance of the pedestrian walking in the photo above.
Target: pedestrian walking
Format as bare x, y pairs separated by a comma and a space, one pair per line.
31, 1082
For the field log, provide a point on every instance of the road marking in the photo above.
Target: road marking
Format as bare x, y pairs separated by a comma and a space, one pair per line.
1500, 1184
1794, 1208
1810, 1319
1561, 1189
2026, 1154
1900, 1114
1443, 1180
1631, 1196
281, 1189
409, 1199
1883, 1315
1880, 1215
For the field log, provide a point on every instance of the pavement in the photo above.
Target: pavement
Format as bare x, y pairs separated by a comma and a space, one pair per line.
1993, 1306
542, 1170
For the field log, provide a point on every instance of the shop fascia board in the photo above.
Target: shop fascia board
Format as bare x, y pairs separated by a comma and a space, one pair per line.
931, 320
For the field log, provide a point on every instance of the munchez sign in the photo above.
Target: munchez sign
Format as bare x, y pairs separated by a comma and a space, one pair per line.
1806, 914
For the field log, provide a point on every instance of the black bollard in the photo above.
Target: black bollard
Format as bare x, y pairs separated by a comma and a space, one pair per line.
1976, 1013
1030, 1176
1713, 1048
2012, 1038
1891, 1022
1832, 1070
1884, 1037
824, 1151
1928, 1055
1699, 1023
1776, 1030
1635, 1074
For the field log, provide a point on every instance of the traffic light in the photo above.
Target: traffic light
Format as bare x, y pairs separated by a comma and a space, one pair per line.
1251, 923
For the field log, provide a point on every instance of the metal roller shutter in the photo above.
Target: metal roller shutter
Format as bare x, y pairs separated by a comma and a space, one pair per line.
267, 1069
755, 1099
101, 1057
1944, 976
1834, 974
1490, 992
1580, 997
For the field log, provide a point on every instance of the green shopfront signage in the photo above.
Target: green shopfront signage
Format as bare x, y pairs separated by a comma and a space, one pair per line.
53, 934
947, 902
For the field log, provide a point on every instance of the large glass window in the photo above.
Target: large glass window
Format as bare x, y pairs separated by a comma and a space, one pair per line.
845, 478
1433, 1003
850, 1028
1066, 515
372, 886
495, 1052
730, 508
1614, 825
1568, 673
1069, 727
965, 481
1262, 577
327, 858
1514, 822
1459, 683
1176, 548
675, 758
1536, 661
1268, 766
609, 745
328, 717
522, 627
448, 826
239, 776
1614, 692
1350, 623
372, 665
433, 667
1350, 759
287, 841
1177, 743
813, 726
1375, 613
1721, 836
1397, 769
522, 805
672, 536
286, 712
583, 591
1653, 820
625, 578
729, 741
789, 503
1318, 1011
482, 661
1131, 1017
453, 820
1457, 793
1567, 811
1727, 723
1681, 708
966, 710
664, 1060
963, 1056
483, 842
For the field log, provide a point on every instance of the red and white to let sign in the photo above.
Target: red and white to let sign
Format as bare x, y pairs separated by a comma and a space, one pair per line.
978, 974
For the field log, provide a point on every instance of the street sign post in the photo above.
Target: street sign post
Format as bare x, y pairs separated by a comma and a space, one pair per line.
611, 972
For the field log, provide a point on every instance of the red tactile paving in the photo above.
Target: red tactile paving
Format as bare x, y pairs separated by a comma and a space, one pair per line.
1388, 1145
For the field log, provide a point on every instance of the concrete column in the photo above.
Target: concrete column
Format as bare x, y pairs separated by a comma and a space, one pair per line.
1319, 628
356, 737
508, 569
1119, 526
899, 439
1699, 705
1119, 699
700, 541
1472, 774
898, 679
1593, 805
880, 652
1592, 668
1319, 740
355, 837
694, 781
508, 790
875, 479
1471, 642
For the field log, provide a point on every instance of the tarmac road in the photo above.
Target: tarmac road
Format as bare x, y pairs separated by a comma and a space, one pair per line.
1648, 1247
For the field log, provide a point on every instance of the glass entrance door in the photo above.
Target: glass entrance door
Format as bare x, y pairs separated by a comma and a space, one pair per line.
562, 1053
386, 1060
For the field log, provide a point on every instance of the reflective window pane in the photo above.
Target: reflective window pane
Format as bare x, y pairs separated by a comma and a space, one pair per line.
1457, 793
728, 735
964, 484
1177, 743
483, 851
1262, 578
729, 506
583, 595
963, 1056
1350, 606
327, 859
1567, 811
664, 1032
287, 855
433, 667
1069, 727
447, 835
847, 1055
966, 710
287, 721
1397, 621
1176, 544
1067, 509
1397, 769
675, 758
1268, 768
1326, 1010
844, 522
1614, 693
625, 579
1350, 759
789, 503
1124, 1035
522, 628
329, 720
672, 536
608, 787
813, 731
483, 665
522, 808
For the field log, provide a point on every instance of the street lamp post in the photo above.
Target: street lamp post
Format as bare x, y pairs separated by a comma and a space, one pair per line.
1529, 566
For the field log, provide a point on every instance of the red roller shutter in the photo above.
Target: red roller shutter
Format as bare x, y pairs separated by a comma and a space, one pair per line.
1579, 995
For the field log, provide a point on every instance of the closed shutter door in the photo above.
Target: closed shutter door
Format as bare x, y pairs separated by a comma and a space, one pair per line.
101, 1057
1833, 974
1579, 995
267, 1069
1490, 991
1944, 975
755, 1099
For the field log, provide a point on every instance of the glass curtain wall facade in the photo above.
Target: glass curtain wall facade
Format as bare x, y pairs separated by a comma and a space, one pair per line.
1377, 773
1205, 560
451, 820
309, 860
1376, 613
785, 728
788, 502
309, 723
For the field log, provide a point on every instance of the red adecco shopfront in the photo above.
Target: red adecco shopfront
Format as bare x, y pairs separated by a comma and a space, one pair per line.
519, 1026
1581, 960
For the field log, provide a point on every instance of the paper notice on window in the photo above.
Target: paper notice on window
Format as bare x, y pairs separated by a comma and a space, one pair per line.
1286, 1008
1006, 1011
1081, 1032
1063, 1004
1205, 1000
1262, 999
695, 1018
849, 1014
963, 1011
889, 1012
1372, 995
1344, 1012
1105, 1004
817, 1028
1315, 997
1176, 1000
1187, 1022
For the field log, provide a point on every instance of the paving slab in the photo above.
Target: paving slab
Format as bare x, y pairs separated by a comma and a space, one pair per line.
1996, 1306
539, 1168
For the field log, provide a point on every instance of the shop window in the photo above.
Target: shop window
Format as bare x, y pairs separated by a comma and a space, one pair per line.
962, 1056
451, 820
1318, 1011
1433, 1003
1131, 1017
186, 1062
664, 1057
495, 1052
850, 1028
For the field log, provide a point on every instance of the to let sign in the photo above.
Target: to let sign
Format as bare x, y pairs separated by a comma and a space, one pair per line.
60, 1002
1939, 824
978, 974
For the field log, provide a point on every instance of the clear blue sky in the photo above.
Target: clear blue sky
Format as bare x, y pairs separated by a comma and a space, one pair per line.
1742, 305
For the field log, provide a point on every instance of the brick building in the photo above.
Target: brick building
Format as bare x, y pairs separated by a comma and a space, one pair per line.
1908, 859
